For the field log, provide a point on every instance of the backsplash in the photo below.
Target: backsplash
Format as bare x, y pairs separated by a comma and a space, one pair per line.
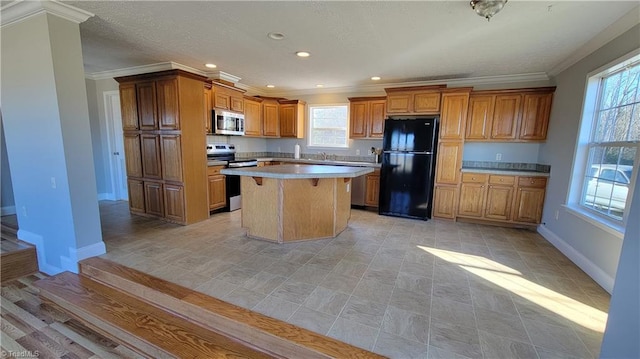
314, 156
507, 166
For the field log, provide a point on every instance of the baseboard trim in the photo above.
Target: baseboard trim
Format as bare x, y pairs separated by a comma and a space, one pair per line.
595, 272
8, 210
38, 242
70, 263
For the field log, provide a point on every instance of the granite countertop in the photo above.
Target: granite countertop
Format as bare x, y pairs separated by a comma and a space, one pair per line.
508, 172
300, 171
216, 163
322, 162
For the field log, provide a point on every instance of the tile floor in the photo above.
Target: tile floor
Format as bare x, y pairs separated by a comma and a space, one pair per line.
401, 288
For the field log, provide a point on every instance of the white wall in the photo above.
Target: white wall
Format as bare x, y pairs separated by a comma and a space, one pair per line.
595, 250
511, 152
6, 188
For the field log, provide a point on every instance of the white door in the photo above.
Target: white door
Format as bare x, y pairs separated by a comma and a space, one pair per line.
116, 145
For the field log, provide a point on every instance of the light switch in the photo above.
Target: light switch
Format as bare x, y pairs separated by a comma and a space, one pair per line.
498, 156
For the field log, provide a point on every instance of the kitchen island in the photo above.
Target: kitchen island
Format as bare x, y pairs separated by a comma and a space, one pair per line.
296, 202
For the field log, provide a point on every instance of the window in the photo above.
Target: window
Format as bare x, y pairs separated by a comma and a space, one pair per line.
328, 126
609, 151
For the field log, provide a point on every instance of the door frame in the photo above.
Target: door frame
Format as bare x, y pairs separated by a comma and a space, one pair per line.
118, 181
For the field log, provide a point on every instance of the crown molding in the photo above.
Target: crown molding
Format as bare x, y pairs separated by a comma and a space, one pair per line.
614, 30
21, 10
136, 70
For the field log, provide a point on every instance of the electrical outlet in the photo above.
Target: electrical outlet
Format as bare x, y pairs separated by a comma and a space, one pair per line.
357, 152
498, 156
348, 187
24, 211
557, 214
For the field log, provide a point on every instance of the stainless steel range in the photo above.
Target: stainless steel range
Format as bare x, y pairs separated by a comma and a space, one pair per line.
226, 153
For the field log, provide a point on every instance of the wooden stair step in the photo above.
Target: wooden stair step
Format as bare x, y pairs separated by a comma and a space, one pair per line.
17, 259
279, 337
144, 328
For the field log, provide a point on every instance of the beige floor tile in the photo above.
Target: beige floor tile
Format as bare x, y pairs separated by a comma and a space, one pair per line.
501, 324
395, 346
556, 338
497, 347
373, 290
354, 333
452, 312
339, 282
413, 301
326, 301
276, 308
292, 291
264, 282
364, 311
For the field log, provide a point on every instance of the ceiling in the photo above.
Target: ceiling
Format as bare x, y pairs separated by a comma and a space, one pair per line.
349, 41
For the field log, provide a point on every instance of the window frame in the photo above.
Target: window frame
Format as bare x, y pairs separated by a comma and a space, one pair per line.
584, 143
310, 144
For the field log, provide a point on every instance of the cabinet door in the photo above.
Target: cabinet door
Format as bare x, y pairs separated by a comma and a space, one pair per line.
168, 108
252, 118
536, 110
217, 192
358, 117
288, 121
171, 157
448, 162
151, 167
372, 192
498, 204
154, 198
221, 100
133, 157
377, 115
208, 106
471, 199
399, 103
174, 203
479, 117
426, 102
453, 116
271, 123
444, 200
128, 107
529, 202
505, 117
136, 196
236, 104
147, 107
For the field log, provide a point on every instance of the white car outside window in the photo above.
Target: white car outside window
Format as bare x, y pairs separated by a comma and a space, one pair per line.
608, 187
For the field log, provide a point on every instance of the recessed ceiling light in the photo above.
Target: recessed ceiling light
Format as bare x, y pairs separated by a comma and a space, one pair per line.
375, 78
319, 85
275, 36
211, 66
303, 54
271, 86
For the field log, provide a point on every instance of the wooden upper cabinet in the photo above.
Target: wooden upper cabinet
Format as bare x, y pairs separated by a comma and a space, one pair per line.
154, 198
270, 119
227, 97
426, 102
399, 103
366, 117
536, 109
150, 145
479, 117
168, 108
372, 189
449, 162
128, 107
252, 117
208, 106
147, 106
171, 157
291, 116
454, 115
472, 199
133, 156
505, 116
174, 208
358, 118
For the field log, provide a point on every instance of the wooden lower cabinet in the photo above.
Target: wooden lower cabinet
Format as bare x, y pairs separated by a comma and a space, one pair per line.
136, 196
154, 198
372, 193
498, 204
217, 188
174, 202
445, 201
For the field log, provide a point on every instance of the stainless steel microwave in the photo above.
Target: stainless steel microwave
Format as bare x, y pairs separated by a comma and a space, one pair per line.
227, 123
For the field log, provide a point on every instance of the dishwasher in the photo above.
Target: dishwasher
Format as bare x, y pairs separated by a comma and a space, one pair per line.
358, 190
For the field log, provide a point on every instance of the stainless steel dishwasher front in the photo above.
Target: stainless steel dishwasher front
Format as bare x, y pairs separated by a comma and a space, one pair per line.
358, 190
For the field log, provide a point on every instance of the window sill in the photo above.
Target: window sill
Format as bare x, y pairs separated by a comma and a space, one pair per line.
612, 228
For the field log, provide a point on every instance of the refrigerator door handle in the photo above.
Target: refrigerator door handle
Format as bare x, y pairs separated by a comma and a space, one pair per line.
409, 152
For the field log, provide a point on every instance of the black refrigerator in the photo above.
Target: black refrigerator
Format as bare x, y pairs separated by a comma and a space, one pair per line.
408, 167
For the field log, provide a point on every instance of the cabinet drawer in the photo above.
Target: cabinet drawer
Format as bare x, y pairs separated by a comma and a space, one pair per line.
505, 180
474, 177
214, 170
538, 182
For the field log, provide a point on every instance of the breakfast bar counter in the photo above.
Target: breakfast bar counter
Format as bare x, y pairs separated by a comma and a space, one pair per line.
296, 202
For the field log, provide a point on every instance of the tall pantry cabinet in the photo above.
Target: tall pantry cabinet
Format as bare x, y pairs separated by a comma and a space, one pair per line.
164, 139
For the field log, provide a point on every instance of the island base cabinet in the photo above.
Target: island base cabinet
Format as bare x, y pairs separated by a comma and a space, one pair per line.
444, 201
285, 210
